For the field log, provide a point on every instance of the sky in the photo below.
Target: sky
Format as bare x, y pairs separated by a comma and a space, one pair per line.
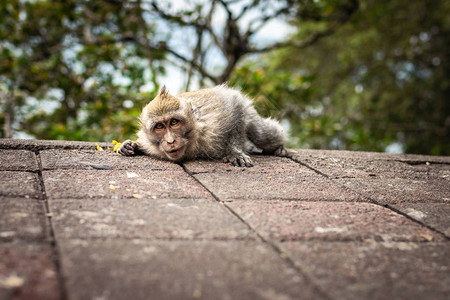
275, 30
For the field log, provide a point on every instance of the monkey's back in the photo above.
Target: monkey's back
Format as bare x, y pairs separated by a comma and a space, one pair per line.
219, 112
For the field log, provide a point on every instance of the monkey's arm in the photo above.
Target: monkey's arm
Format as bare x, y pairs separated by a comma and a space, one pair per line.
129, 148
236, 147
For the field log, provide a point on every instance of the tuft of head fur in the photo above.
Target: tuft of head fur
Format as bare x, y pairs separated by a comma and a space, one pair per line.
162, 104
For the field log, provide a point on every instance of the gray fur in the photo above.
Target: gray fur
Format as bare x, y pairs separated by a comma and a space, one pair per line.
225, 126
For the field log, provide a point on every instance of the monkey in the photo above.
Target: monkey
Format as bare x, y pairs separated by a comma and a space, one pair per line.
212, 123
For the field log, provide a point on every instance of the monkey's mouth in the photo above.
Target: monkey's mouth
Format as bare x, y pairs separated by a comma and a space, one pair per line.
175, 153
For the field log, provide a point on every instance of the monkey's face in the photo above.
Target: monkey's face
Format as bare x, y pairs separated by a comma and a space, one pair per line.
169, 126
172, 136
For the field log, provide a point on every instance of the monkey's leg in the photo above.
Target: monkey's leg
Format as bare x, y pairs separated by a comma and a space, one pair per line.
267, 134
128, 148
235, 153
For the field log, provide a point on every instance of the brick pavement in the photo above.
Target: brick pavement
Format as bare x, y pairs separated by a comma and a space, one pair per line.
78, 223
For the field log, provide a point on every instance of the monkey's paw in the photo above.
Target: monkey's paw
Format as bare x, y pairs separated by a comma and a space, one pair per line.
127, 148
282, 151
239, 160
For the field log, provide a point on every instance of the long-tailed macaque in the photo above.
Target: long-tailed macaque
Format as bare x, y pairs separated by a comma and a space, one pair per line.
216, 123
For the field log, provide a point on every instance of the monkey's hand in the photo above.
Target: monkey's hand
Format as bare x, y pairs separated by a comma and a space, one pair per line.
239, 160
282, 151
128, 148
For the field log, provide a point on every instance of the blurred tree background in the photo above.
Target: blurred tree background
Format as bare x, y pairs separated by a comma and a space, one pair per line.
359, 75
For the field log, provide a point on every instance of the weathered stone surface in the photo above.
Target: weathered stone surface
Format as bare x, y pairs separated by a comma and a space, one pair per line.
100, 160
22, 219
435, 215
301, 154
122, 184
331, 221
37, 145
140, 269
144, 218
303, 185
19, 184
18, 160
356, 167
262, 165
370, 270
27, 272
394, 190
139, 228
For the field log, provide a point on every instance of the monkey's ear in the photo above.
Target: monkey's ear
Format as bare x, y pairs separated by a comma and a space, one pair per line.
163, 91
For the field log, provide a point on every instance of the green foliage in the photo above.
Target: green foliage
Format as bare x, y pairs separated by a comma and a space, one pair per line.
86, 58
381, 79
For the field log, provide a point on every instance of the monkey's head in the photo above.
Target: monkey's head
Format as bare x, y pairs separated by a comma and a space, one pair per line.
168, 123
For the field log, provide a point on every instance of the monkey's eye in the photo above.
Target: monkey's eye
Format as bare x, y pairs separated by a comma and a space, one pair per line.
174, 122
159, 126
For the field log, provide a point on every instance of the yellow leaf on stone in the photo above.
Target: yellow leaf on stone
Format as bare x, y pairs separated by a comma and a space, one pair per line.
427, 237
11, 282
116, 146
112, 187
137, 196
99, 148
197, 293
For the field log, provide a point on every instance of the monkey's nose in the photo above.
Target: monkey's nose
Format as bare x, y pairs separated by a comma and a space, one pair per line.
170, 141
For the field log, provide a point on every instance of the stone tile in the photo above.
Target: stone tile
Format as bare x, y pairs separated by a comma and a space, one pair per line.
118, 269
369, 270
301, 154
262, 165
411, 158
143, 218
19, 184
393, 191
357, 167
435, 215
101, 160
121, 184
419, 159
27, 272
22, 219
18, 160
274, 186
37, 145
330, 221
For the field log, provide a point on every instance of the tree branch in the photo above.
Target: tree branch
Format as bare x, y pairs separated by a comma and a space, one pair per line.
227, 9
247, 7
263, 21
233, 44
208, 24
196, 54
198, 67
313, 38
177, 19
